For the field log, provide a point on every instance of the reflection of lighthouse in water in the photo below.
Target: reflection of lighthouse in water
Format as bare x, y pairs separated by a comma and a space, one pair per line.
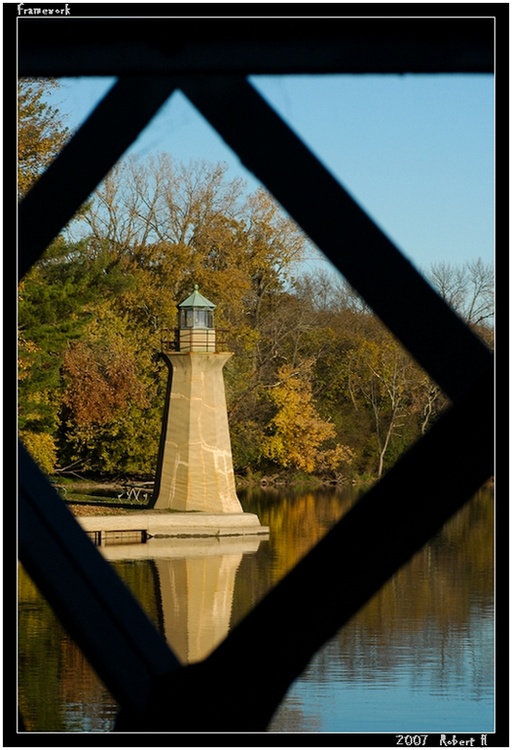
196, 584
195, 466
197, 596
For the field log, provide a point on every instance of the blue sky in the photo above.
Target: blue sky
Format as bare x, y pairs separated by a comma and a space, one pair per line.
416, 151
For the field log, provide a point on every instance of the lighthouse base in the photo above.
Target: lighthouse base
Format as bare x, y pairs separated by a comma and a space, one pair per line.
196, 468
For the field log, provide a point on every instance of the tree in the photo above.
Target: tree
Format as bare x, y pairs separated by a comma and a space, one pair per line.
55, 303
313, 373
173, 226
297, 433
41, 132
41, 135
167, 227
109, 407
469, 290
383, 376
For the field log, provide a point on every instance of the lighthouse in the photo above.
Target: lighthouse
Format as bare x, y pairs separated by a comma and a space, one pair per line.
195, 465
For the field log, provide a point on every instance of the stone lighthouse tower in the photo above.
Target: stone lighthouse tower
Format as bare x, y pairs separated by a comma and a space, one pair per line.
195, 467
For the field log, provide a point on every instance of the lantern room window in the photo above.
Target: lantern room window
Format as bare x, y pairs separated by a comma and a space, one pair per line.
194, 318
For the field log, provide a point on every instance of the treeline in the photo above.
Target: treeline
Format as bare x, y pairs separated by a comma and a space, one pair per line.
317, 385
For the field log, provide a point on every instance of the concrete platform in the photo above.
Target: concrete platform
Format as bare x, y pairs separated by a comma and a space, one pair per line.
165, 524
184, 548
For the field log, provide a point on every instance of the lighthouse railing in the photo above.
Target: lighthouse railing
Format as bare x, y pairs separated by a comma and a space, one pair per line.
194, 339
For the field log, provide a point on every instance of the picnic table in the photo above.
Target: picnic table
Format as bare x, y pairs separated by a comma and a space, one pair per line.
132, 491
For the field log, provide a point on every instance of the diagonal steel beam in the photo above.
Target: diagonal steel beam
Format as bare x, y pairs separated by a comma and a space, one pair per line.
442, 344
262, 656
84, 161
85, 593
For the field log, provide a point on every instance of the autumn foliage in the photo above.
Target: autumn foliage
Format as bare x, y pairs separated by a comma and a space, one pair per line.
41, 133
100, 381
297, 434
316, 384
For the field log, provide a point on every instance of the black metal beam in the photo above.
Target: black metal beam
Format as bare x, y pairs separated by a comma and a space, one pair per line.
252, 44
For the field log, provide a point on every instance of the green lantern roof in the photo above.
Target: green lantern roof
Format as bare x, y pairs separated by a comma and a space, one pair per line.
197, 300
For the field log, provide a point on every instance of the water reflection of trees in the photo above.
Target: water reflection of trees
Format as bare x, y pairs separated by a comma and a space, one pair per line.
440, 605
57, 688
441, 581
297, 521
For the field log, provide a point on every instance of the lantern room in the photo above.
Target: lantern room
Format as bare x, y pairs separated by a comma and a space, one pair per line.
195, 324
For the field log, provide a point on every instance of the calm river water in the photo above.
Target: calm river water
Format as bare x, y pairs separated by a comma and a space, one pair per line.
418, 658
